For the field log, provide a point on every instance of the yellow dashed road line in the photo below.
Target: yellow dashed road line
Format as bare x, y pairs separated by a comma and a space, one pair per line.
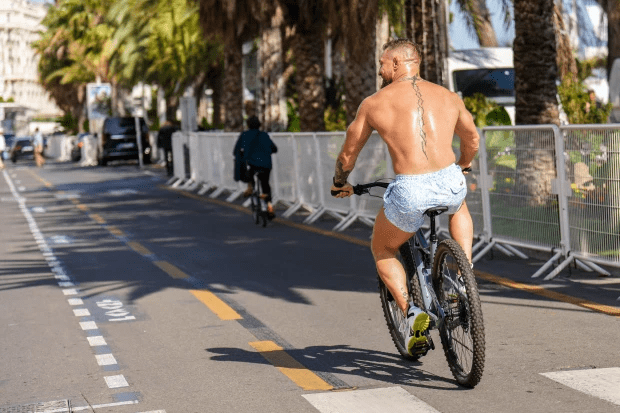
117, 232
97, 218
554, 295
170, 269
290, 367
137, 247
219, 307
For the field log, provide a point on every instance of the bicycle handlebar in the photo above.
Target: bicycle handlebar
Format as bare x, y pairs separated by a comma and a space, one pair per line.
361, 189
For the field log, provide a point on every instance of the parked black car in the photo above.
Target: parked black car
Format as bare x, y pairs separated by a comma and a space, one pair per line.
22, 148
118, 140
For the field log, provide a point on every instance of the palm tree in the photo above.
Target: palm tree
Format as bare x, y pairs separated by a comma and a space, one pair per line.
161, 42
234, 23
478, 19
612, 7
427, 26
357, 21
74, 50
536, 94
307, 19
272, 110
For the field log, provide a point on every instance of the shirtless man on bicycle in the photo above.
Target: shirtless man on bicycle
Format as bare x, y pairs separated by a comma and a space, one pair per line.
417, 120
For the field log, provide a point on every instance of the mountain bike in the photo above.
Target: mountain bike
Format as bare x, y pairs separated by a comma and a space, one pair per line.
259, 205
441, 281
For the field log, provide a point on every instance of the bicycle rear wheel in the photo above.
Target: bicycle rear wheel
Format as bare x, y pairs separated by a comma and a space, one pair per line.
462, 331
255, 208
396, 321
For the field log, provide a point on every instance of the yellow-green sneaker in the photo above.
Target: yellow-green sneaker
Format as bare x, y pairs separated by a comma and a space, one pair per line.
417, 323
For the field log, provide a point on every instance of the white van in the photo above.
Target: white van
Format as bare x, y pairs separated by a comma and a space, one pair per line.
488, 70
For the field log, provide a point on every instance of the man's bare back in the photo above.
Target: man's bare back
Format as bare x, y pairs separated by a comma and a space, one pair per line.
416, 119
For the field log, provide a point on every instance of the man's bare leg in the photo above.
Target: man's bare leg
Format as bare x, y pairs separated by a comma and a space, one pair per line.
386, 239
462, 229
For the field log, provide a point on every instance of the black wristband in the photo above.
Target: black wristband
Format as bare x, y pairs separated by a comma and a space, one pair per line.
336, 184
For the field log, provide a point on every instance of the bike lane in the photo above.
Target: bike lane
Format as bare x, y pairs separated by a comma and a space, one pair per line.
308, 290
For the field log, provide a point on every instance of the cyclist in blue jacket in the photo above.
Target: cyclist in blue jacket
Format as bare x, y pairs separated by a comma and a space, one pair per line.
253, 156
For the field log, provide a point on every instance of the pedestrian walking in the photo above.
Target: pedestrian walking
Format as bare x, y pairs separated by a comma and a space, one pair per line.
2, 149
38, 148
164, 141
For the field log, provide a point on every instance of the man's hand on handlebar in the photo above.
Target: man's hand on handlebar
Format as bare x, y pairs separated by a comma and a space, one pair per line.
342, 192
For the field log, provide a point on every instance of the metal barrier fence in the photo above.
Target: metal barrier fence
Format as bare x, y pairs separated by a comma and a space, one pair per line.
546, 188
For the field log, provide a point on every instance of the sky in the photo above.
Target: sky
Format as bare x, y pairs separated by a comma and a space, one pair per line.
462, 38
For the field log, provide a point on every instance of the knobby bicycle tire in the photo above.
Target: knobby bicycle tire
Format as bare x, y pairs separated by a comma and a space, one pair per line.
462, 333
392, 313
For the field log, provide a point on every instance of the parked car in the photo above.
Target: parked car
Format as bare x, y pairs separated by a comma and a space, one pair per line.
76, 149
22, 148
118, 140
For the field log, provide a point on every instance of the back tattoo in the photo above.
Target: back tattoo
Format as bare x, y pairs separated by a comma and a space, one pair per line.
414, 82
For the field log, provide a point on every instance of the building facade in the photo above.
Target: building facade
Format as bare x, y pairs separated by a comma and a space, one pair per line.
20, 24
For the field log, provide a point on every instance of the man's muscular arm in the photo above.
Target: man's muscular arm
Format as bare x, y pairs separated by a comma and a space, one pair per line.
466, 129
357, 135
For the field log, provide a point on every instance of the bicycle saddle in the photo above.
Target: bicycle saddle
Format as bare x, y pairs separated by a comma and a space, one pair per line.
433, 212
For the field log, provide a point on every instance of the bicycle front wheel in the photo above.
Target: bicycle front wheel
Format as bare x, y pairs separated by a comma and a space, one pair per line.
396, 321
462, 330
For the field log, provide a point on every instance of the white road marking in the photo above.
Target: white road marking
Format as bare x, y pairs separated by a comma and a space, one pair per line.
95, 341
88, 325
70, 291
105, 359
81, 312
21, 188
75, 301
602, 383
114, 382
93, 407
66, 284
67, 195
60, 239
62, 277
390, 399
38, 210
121, 192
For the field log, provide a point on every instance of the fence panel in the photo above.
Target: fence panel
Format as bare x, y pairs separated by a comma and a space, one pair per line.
283, 174
593, 169
179, 140
523, 206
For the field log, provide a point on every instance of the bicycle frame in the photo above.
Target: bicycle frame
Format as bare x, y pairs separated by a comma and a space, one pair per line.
423, 256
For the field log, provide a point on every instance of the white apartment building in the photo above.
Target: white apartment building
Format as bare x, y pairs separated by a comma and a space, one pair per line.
19, 28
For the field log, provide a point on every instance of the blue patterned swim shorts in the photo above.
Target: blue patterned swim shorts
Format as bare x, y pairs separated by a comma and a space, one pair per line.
409, 196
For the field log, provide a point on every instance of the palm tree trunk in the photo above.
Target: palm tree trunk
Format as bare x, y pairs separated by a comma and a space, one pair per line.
361, 75
536, 102
482, 23
272, 102
308, 48
429, 34
233, 87
613, 33
215, 82
567, 65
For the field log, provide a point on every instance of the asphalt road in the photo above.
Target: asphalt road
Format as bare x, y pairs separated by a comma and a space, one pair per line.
120, 294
